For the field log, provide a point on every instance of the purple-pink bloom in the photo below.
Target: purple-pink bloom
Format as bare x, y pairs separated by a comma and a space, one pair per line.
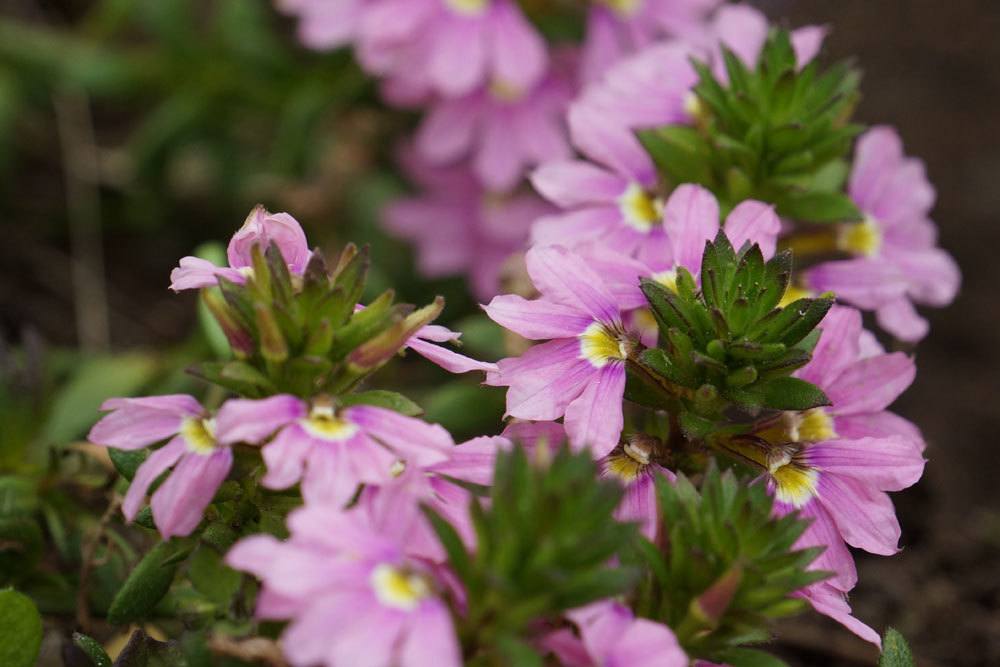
835, 464
261, 228
616, 28
331, 451
353, 590
326, 24
459, 227
504, 128
611, 636
896, 259
424, 342
200, 459
633, 465
580, 372
452, 47
830, 601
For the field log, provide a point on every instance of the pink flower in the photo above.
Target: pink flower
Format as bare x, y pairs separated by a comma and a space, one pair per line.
452, 47
580, 372
896, 259
260, 228
632, 464
829, 601
458, 227
616, 29
505, 128
610, 636
690, 220
330, 451
837, 463
610, 198
200, 460
326, 24
353, 590
423, 343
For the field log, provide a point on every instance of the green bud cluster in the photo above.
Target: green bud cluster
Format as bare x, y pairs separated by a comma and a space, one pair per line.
725, 566
304, 335
729, 344
544, 542
774, 133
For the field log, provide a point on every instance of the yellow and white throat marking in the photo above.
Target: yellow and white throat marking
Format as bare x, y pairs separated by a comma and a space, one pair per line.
325, 424
398, 588
199, 435
624, 8
598, 345
467, 7
667, 278
628, 462
794, 482
860, 238
639, 209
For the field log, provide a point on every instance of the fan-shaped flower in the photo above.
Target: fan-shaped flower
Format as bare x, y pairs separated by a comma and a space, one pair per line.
896, 259
200, 459
330, 450
580, 372
353, 590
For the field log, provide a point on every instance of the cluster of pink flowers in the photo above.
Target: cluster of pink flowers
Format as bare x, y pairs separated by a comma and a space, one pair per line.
362, 578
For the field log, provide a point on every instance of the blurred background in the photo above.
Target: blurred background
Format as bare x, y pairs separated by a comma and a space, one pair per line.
133, 132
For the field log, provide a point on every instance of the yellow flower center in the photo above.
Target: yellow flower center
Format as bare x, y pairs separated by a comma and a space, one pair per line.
503, 91
793, 294
628, 463
468, 7
861, 238
199, 435
622, 7
667, 278
399, 588
639, 210
813, 425
325, 424
599, 346
795, 484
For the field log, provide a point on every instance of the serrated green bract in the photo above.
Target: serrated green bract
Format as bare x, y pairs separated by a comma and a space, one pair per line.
724, 568
544, 545
775, 132
304, 335
730, 344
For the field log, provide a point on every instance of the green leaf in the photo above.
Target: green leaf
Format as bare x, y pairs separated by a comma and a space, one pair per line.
789, 393
381, 398
93, 650
148, 583
20, 630
127, 461
748, 657
895, 650
818, 206
212, 577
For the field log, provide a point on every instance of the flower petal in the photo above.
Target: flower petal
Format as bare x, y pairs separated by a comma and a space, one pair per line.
253, 421
139, 422
872, 384
540, 319
595, 419
180, 502
157, 463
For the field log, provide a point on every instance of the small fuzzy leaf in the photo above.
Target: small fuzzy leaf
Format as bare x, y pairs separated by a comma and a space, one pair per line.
93, 650
895, 650
382, 398
20, 630
789, 393
147, 584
